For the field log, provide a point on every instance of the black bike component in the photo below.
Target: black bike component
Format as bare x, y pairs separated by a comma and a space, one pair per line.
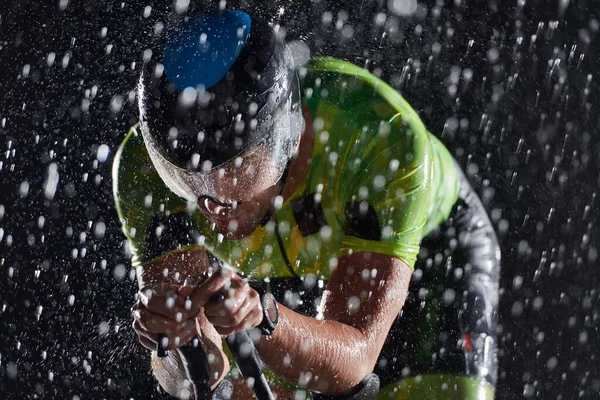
367, 389
224, 390
196, 367
248, 361
243, 351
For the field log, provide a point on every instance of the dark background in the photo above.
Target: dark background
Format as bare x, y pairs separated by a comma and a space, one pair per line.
520, 113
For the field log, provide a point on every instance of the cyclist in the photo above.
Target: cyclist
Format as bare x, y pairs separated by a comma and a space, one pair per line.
319, 186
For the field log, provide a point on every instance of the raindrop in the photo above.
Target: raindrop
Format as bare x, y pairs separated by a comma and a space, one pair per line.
517, 309
116, 103
278, 202
528, 390
402, 7
326, 18
300, 52
187, 98
551, 363
119, 272
181, 6
103, 328
353, 304
51, 181
102, 153
50, 59
449, 296
24, 189
11, 370
99, 229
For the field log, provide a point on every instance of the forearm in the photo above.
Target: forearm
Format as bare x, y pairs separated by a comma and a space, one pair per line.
333, 354
321, 355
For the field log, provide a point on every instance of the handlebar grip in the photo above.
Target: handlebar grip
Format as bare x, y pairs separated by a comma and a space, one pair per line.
196, 367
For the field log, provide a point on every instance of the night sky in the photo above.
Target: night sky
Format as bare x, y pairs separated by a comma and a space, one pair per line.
511, 87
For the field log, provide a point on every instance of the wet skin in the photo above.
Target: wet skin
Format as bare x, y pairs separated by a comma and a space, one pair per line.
344, 342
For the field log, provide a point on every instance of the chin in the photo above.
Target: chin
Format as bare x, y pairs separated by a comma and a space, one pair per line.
243, 230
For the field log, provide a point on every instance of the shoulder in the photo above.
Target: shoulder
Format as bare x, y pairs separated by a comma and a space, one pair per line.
132, 169
131, 152
335, 73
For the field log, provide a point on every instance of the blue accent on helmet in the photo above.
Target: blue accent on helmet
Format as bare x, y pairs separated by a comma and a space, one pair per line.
199, 52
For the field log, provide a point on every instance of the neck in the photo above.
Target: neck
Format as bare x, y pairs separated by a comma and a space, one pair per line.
300, 163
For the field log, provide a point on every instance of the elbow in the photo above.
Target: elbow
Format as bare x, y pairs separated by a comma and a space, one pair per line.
362, 365
367, 364
359, 368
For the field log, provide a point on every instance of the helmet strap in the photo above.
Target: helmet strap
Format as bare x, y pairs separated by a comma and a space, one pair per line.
271, 210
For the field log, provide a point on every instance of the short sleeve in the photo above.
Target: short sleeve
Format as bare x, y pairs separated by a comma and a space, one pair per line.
388, 190
145, 206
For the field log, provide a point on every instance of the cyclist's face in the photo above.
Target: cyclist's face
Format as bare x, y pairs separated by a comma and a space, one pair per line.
245, 176
249, 185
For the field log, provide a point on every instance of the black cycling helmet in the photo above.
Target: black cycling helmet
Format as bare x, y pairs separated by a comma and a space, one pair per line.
224, 84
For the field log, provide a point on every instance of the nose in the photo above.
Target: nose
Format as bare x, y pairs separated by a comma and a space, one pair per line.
217, 207
212, 207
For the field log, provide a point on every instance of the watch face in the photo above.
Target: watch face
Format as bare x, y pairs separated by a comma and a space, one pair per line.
271, 308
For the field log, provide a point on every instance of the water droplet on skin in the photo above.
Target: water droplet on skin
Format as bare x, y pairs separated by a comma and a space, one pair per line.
170, 302
353, 304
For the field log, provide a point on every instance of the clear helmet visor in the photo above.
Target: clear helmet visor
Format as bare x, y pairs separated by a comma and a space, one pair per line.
253, 170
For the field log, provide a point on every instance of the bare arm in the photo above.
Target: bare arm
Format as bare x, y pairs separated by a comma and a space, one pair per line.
335, 352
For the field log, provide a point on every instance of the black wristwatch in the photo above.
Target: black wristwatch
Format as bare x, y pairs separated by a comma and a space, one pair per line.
270, 313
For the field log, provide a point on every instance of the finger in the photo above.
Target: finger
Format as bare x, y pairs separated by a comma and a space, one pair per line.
140, 331
233, 298
156, 323
218, 282
189, 285
183, 336
232, 303
223, 330
161, 299
233, 319
147, 343
252, 319
144, 336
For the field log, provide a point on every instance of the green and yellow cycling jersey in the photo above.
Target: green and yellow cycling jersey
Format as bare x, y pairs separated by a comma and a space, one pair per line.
378, 182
